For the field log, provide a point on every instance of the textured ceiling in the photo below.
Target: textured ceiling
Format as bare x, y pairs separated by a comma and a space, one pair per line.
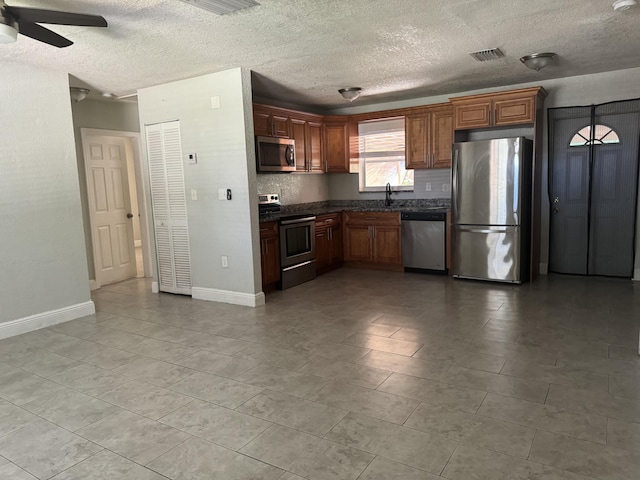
302, 51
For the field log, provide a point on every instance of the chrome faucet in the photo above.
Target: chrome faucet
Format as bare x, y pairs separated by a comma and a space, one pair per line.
387, 196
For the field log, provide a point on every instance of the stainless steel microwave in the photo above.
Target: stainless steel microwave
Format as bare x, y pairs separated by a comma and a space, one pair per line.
275, 154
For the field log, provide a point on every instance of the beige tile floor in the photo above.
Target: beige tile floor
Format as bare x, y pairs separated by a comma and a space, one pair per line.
357, 375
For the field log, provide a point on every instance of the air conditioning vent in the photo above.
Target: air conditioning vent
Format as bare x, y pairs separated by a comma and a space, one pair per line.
486, 55
222, 7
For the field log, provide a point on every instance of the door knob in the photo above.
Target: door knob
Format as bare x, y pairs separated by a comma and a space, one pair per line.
129, 215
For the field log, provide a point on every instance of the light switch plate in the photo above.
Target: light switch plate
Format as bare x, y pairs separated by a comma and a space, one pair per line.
194, 194
446, 187
427, 187
215, 101
192, 158
222, 194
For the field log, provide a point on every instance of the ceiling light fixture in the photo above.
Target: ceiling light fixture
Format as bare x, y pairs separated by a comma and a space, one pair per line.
222, 7
78, 94
537, 61
350, 93
622, 5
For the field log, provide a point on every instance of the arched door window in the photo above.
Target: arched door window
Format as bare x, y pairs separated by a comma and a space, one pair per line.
602, 134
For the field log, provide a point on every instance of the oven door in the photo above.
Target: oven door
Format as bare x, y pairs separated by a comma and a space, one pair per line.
297, 241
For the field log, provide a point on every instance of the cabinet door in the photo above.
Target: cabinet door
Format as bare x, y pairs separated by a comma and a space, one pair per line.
270, 260
323, 249
336, 245
280, 126
314, 147
357, 243
473, 114
442, 138
261, 122
417, 134
299, 134
511, 111
336, 148
387, 245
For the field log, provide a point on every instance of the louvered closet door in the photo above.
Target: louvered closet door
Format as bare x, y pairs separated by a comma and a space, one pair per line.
169, 207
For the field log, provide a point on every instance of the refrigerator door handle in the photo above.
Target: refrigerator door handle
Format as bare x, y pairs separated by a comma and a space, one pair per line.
484, 230
454, 184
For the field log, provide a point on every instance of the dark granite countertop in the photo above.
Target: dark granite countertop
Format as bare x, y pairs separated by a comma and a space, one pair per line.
337, 206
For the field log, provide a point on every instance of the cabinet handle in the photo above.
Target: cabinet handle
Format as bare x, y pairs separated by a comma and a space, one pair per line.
330, 234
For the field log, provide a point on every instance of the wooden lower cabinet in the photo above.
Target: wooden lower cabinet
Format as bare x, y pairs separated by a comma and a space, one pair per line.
270, 255
328, 243
373, 239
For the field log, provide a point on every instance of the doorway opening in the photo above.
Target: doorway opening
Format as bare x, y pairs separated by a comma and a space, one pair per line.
593, 188
117, 205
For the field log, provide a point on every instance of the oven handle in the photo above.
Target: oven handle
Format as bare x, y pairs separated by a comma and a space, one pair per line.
296, 266
297, 220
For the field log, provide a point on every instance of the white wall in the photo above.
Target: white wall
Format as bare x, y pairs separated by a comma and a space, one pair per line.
222, 138
43, 268
563, 92
105, 115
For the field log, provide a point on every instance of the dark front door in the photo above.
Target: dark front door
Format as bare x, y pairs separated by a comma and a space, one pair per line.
593, 189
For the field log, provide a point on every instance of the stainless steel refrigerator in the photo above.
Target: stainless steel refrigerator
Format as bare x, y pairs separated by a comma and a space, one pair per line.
491, 209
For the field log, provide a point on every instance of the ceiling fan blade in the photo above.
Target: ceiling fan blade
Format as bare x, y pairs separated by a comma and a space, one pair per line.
36, 15
42, 34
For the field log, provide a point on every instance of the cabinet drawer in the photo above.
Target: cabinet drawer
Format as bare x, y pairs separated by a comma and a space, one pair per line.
329, 220
372, 218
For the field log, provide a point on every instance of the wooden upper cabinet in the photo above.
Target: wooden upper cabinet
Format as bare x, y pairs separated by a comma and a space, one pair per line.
314, 147
299, 135
261, 122
417, 129
513, 107
336, 147
473, 114
428, 137
268, 122
516, 110
442, 137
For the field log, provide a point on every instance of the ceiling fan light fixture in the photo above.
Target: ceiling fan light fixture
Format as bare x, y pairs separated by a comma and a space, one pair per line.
350, 93
78, 94
537, 61
8, 34
622, 5
222, 7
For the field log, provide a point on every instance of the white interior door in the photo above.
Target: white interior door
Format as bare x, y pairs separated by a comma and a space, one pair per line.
108, 190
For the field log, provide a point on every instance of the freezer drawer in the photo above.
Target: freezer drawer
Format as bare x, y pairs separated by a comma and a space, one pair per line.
488, 253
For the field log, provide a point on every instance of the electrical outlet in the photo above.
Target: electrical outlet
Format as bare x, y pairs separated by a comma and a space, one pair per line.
224, 261
222, 194
194, 194
427, 187
192, 158
215, 101
446, 187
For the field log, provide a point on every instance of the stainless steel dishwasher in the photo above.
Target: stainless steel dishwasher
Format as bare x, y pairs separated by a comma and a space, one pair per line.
423, 241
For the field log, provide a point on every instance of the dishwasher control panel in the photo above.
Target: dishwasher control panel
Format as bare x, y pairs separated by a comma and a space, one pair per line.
424, 216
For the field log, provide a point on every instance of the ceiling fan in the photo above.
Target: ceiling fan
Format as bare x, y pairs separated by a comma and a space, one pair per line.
14, 20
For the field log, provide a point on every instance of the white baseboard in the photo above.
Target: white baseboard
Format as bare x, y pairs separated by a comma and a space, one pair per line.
636, 275
93, 285
155, 287
228, 296
46, 319
544, 268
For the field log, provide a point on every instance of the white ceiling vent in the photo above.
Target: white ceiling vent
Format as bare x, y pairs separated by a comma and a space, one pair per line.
222, 7
485, 55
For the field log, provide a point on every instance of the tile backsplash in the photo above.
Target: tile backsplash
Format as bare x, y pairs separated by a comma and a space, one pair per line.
295, 188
